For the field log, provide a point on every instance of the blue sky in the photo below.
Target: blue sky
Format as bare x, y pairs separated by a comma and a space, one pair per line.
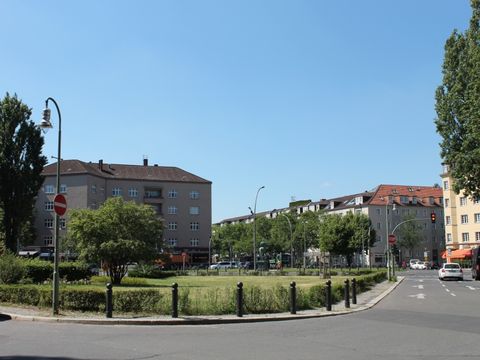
313, 99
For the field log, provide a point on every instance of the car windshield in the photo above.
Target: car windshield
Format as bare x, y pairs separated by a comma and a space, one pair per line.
452, 266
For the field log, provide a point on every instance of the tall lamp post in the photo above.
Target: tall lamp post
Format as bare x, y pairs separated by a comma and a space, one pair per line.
389, 255
291, 239
46, 124
254, 213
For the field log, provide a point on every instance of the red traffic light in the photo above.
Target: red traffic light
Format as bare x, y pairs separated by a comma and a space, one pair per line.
433, 217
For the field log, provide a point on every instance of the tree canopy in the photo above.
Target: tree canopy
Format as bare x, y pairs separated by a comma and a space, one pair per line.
116, 234
458, 106
21, 165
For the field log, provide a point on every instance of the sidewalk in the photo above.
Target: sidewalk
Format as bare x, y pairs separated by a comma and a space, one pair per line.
365, 301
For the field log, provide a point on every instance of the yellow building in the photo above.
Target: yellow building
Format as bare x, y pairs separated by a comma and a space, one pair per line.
462, 218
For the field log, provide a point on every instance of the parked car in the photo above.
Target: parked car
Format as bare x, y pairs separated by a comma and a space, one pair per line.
476, 263
223, 265
450, 270
412, 263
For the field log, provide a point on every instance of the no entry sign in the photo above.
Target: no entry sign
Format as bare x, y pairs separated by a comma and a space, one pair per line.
392, 239
60, 204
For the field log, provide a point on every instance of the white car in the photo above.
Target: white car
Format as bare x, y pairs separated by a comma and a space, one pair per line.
420, 266
223, 265
413, 263
450, 270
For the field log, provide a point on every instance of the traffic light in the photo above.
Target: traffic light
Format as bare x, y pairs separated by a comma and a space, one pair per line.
433, 217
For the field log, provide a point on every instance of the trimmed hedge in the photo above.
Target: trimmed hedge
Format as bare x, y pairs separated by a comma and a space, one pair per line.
40, 271
192, 301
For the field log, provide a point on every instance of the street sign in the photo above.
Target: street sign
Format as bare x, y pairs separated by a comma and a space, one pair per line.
392, 239
60, 204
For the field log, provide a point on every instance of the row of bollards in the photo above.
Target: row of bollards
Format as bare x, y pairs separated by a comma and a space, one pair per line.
239, 297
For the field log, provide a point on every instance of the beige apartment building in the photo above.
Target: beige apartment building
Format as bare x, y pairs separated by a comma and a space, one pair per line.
181, 199
387, 206
462, 218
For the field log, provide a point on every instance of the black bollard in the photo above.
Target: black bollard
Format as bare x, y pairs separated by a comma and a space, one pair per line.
293, 298
240, 299
354, 291
347, 293
109, 300
174, 300
328, 295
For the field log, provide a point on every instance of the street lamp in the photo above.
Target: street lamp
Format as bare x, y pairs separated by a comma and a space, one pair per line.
254, 213
291, 239
386, 235
46, 124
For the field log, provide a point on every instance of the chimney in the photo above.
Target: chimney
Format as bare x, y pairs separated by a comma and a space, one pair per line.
100, 164
145, 161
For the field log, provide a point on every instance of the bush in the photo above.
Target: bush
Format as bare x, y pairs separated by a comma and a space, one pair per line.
40, 271
150, 272
11, 269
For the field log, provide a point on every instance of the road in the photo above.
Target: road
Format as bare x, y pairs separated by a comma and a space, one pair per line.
423, 318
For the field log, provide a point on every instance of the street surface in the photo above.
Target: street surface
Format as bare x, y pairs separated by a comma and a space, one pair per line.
423, 318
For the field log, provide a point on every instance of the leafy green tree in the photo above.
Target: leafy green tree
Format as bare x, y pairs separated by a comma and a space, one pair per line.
21, 165
281, 240
116, 234
458, 106
410, 235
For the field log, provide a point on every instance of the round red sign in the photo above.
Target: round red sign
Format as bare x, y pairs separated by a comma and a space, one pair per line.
60, 204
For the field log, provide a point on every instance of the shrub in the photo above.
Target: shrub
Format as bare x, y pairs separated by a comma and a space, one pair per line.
11, 269
40, 271
150, 272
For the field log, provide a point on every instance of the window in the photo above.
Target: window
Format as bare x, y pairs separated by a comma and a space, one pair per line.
172, 210
49, 205
117, 191
63, 189
194, 195
49, 189
172, 194
172, 242
432, 200
476, 200
194, 226
477, 218
477, 236
404, 199
465, 237
448, 220
194, 210
379, 226
63, 223
93, 189
172, 225
449, 237
194, 242
379, 211
445, 185
447, 203
464, 219
48, 240
48, 223
414, 200
133, 192
463, 201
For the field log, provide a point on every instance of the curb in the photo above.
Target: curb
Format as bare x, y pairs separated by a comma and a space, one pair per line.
201, 320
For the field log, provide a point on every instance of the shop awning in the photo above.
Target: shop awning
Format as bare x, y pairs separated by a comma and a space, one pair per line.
458, 254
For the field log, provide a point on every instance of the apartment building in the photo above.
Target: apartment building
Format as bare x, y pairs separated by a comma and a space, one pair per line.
386, 206
462, 218
181, 199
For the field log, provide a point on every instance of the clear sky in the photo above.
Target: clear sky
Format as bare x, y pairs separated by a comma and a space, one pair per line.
313, 99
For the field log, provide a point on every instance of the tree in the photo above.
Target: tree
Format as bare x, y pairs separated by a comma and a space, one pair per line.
21, 165
116, 234
458, 107
410, 236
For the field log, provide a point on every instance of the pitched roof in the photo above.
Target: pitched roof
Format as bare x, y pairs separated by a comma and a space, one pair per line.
385, 193
124, 172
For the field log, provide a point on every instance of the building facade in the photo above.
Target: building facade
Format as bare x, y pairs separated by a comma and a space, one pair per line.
462, 217
386, 206
181, 199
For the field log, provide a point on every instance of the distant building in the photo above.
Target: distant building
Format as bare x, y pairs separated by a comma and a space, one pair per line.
386, 206
181, 199
462, 217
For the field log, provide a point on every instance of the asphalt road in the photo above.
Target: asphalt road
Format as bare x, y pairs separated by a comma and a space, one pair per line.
422, 319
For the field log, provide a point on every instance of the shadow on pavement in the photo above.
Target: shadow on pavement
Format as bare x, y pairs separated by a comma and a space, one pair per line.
22, 357
4, 318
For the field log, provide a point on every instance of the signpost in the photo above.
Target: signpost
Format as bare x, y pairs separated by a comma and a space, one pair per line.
60, 204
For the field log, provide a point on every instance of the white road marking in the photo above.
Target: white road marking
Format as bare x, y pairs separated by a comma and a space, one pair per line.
420, 287
418, 296
447, 290
471, 288
453, 294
